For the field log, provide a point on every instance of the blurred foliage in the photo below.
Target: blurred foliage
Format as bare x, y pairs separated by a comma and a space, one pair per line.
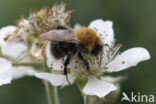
134, 25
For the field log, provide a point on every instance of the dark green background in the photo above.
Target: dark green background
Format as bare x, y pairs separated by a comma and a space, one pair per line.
134, 25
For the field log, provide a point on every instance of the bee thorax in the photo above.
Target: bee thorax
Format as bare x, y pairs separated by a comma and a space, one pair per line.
87, 36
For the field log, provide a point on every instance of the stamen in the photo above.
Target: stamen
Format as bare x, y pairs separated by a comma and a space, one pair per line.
113, 43
115, 52
44, 48
109, 48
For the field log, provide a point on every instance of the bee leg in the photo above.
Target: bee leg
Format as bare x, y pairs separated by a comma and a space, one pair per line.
67, 61
65, 73
84, 61
100, 59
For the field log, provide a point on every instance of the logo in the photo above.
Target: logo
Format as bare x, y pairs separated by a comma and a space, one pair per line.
137, 98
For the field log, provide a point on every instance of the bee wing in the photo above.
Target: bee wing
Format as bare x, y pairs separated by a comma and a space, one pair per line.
60, 36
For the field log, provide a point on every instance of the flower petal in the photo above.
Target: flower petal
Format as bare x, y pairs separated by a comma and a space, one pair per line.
13, 49
129, 58
114, 80
21, 71
55, 79
5, 71
98, 87
77, 26
104, 30
4, 31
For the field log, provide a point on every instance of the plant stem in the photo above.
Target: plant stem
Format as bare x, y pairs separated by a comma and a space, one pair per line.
52, 93
85, 99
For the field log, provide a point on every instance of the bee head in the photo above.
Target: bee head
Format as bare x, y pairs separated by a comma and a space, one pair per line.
88, 37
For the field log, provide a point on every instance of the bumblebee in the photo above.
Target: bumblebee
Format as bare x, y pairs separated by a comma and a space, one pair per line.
65, 42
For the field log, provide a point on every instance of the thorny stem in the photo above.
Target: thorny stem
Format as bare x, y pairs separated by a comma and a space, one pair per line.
52, 93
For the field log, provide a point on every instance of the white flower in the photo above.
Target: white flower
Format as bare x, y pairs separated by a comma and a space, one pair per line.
111, 62
5, 71
12, 50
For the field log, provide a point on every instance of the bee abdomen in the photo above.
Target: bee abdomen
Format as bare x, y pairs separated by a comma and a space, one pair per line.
61, 49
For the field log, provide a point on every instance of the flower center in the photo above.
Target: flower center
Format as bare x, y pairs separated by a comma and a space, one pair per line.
97, 64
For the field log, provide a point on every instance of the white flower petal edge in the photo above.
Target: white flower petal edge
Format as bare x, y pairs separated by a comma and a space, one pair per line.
21, 71
114, 80
104, 29
129, 58
54, 79
5, 71
10, 49
98, 87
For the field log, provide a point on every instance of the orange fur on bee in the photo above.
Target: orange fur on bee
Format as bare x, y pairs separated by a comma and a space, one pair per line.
87, 36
